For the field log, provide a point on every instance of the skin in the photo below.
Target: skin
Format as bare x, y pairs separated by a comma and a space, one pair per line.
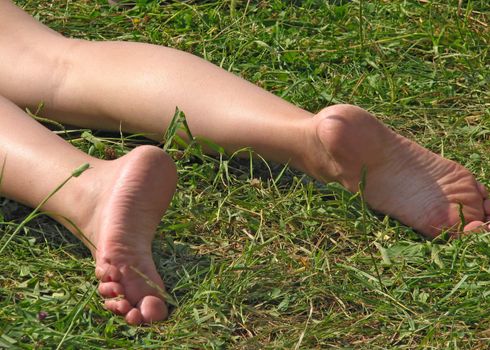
116, 204
97, 85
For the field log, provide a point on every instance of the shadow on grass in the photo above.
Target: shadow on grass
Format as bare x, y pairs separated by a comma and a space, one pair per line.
175, 261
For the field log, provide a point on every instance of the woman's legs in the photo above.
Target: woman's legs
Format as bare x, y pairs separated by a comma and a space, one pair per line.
98, 84
116, 204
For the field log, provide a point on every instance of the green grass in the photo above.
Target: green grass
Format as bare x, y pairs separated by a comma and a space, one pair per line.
258, 258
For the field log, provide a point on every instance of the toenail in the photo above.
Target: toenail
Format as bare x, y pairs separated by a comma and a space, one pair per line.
114, 294
109, 279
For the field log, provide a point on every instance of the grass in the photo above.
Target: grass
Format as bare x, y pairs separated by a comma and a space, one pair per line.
258, 256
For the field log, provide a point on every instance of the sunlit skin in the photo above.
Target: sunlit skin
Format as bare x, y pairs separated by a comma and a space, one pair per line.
118, 204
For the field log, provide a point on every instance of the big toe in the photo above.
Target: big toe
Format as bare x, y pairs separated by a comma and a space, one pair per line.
152, 309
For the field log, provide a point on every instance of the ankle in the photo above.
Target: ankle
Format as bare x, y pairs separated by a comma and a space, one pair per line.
344, 137
78, 201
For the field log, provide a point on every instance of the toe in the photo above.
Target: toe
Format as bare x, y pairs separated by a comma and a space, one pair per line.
152, 309
134, 317
483, 190
119, 307
475, 226
486, 207
107, 273
111, 289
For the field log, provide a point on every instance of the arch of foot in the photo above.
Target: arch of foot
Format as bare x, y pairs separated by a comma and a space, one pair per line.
404, 180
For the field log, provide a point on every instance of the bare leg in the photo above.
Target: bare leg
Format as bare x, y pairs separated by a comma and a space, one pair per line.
116, 204
97, 84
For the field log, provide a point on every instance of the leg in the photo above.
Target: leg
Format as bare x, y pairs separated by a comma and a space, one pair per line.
97, 85
116, 204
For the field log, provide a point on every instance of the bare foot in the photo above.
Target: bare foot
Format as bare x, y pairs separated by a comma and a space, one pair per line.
404, 180
132, 194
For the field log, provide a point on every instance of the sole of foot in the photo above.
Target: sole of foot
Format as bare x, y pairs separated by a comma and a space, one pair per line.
133, 193
403, 179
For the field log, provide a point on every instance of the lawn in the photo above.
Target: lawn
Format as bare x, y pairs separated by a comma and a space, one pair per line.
256, 255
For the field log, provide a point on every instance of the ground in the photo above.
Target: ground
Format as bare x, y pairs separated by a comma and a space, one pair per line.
255, 257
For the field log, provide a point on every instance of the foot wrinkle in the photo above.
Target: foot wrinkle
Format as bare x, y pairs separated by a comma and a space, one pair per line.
404, 180
139, 189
